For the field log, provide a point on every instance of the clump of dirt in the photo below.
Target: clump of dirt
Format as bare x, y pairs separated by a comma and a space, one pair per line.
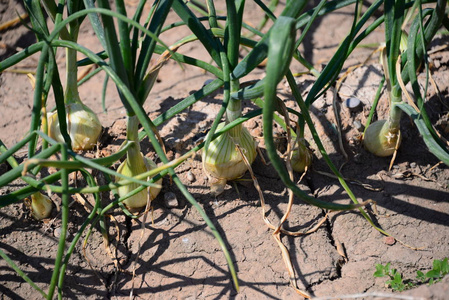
171, 253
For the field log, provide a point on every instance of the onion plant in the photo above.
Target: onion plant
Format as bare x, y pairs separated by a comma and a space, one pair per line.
129, 51
383, 137
83, 125
229, 149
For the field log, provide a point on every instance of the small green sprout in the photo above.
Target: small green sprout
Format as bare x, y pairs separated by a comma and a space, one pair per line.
397, 283
440, 269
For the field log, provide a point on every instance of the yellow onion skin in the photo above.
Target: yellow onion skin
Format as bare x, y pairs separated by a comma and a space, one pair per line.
41, 206
403, 43
83, 126
379, 140
223, 161
138, 200
301, 157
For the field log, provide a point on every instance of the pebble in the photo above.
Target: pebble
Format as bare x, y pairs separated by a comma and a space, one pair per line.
357, 125
389, 240
170, 200
190, 176
57, 232
207, 82
353, 103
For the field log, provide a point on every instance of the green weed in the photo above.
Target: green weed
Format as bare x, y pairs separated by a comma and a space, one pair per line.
439, 270
397, 282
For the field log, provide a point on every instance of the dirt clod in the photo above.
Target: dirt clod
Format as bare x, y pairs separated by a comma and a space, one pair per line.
174, 254
389, 240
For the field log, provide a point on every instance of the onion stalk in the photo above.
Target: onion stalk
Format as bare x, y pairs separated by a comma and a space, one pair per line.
134, 165
223, 160
83, 125
383, 137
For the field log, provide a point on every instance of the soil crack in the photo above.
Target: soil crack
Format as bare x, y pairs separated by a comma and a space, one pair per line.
338, 246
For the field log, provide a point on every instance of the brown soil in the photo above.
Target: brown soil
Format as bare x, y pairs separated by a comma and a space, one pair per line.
173, 253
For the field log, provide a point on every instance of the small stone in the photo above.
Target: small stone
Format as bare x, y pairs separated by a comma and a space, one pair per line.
57, 232
353, 104
357, 125
207, 82
389, 240
170, 200
412, 165
190, 176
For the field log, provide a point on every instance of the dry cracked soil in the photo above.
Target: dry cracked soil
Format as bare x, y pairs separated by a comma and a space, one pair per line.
173, 254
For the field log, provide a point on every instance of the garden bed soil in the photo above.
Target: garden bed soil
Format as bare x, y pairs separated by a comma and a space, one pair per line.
173, 254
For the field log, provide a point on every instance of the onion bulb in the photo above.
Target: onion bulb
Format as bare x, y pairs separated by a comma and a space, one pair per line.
403, 43
83, 126
41, 206
131, 168
222, 160
380, 139
301, 156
